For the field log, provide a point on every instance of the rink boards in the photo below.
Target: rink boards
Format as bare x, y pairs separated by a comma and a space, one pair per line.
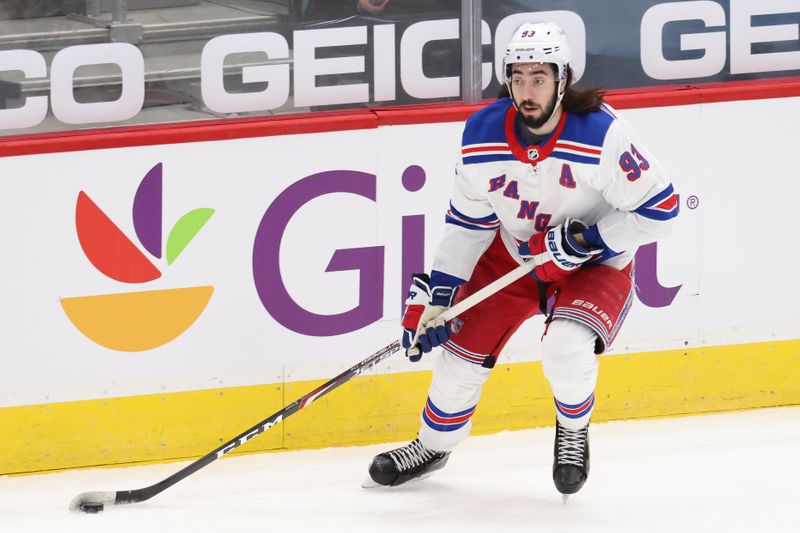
168, 288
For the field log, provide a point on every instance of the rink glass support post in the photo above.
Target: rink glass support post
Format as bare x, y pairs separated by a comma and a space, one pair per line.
471, 52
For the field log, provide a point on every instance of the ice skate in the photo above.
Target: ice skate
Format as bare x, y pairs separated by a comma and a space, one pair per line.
395, 467
570, 459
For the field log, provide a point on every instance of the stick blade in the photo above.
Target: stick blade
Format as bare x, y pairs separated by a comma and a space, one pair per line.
92, 502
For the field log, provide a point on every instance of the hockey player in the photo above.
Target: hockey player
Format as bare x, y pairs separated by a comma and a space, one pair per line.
551, 175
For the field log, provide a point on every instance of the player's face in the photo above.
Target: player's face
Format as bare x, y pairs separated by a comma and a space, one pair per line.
534, 89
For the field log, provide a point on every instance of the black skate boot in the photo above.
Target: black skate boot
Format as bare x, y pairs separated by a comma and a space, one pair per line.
413, 461
570, 459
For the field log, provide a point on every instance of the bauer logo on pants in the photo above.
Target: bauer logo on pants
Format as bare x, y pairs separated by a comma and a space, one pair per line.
602, 315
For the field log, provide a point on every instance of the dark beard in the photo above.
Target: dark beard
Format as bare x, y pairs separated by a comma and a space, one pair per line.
536, 123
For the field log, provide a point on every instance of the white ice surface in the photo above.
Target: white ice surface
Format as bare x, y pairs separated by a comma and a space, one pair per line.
730, 473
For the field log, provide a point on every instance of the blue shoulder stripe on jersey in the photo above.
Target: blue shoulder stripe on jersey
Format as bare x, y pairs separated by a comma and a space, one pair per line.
648, 210
459, 214
471, 160
575, 158
487, 125
587, 128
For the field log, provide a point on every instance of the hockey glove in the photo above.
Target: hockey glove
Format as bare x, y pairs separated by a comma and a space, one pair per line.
421, 330
555, 252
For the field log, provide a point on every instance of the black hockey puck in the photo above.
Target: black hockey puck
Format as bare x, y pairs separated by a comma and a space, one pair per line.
91, 508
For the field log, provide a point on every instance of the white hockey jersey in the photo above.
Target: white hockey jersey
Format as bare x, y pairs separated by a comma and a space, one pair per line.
590, 168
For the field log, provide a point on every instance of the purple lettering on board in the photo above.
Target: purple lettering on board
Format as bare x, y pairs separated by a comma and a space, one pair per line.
368, 260
650, 292
413, 253
413, 235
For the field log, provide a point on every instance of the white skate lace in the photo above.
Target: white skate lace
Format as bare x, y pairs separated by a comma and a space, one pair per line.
571, 443
414, 454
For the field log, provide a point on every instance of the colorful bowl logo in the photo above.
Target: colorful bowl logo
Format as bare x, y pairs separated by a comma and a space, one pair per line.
136, 321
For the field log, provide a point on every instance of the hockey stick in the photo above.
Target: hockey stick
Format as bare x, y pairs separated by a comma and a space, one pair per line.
94, 502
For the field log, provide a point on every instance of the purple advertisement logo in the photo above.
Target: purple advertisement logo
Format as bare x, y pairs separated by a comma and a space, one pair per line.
650, 292
369, 261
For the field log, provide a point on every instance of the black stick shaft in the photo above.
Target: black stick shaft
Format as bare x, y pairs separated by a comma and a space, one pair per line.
140, 495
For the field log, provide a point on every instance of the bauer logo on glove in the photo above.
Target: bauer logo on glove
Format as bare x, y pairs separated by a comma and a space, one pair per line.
556, 253
421, 330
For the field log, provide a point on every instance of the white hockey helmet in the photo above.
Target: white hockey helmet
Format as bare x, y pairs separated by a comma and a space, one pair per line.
543, 42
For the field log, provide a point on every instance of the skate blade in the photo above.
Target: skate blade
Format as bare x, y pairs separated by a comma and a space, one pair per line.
369, 483
564, 498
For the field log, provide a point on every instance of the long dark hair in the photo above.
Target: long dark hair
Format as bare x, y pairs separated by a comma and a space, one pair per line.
575, 101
